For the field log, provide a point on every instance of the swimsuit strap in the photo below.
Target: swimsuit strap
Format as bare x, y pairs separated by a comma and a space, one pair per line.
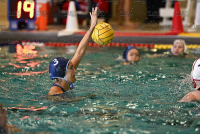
71, 86
59, 87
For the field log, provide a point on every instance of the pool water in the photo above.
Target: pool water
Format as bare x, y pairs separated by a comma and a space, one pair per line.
141, 98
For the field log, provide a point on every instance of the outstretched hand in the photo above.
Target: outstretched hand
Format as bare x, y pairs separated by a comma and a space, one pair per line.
94, 17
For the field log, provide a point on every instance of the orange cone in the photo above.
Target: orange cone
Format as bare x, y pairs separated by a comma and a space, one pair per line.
42, 19
177, 25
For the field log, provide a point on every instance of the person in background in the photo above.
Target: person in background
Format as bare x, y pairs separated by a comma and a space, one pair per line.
153, 10
195, 76
124, 10
105, 9
196, 26
179, 48
131, 55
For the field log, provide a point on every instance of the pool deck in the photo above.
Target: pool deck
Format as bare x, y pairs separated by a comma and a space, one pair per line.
149, 37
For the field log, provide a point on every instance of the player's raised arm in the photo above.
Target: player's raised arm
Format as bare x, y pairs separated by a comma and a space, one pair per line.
84, 42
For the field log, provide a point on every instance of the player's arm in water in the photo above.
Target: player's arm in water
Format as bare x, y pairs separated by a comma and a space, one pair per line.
3, 119
192, 96
4, 127
84, 42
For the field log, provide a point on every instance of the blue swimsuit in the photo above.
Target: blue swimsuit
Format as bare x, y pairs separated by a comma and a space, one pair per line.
59, 87
71, 86
65, 94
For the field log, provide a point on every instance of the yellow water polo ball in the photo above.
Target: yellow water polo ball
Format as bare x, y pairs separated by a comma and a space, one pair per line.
103, 33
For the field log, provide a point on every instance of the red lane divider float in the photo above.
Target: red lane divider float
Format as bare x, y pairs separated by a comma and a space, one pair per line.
96, 45
126, 34
144, 34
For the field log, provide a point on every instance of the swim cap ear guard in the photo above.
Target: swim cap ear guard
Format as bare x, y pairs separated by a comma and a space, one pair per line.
195, 85
181, 42
58, 69
196, 72
127, 50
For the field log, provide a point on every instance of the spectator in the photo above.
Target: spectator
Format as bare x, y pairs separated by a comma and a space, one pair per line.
153, 10
124, 10
196, 26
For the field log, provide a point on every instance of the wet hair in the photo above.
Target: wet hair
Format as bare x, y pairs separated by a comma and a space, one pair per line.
57, 80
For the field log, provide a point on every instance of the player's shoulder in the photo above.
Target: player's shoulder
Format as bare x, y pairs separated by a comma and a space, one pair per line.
55, 90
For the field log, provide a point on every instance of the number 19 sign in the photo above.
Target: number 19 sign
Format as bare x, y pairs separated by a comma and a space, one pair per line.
22, 12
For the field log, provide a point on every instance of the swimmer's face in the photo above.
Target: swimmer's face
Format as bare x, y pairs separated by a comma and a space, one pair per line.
178, 49
71, 73
133, 55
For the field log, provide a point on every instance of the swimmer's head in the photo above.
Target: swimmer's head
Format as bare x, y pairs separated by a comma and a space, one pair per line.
179, 47
58, 68
195, 74
131, 54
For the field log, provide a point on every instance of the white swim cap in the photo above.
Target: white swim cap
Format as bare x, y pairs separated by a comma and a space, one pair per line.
196, 70
180, 41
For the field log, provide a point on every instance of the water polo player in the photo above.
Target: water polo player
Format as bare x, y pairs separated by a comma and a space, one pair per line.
63, 70
179, 48
131, 55
195, 76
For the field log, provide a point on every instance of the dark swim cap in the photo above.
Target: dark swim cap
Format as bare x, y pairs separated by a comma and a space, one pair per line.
58, 68
127, 50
